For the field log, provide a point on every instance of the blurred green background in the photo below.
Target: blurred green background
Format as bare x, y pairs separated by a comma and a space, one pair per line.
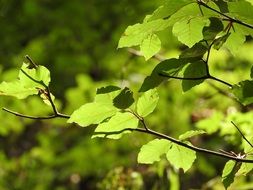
77, 41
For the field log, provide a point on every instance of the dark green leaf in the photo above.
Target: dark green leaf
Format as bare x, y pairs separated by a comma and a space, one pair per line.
229, 172
197, 51
194, 70
124, 99
219, 41
170, 66
244, 92
210, 32
107, 89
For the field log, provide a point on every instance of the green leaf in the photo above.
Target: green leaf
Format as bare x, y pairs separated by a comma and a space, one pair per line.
134, 35
190, 134
169, 8
215, 27
194, 70
235, 40
153, 150
170, 66
147, 102
16, 89
117, 123
243, 91
92, 113
181, 157
242, 10
150, 46
229, 172
197, 51
124, 99
189, 32
31, 78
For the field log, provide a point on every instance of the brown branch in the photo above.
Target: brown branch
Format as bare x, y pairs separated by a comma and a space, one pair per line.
180, 143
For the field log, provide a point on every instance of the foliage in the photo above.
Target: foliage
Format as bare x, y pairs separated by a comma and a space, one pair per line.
202, 28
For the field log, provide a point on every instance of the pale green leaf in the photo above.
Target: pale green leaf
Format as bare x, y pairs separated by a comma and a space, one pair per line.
92, 113
16, 89
153, 150
190, 134
134, 35
169, 8
116, 124
150, 46
181, 157
189, 31
147, 102
31, 78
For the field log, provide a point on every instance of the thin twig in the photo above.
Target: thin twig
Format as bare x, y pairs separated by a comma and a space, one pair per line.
243, 136
202, 3
31, 61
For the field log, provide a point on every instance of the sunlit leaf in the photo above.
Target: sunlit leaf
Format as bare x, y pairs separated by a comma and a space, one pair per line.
92, 113
150, 46
16, 89
153, 150
116, 125
181, 157
147, 102
194, 70
31, 78
189, 32
124, 99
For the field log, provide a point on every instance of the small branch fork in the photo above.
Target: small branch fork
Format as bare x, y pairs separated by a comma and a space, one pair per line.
46, 91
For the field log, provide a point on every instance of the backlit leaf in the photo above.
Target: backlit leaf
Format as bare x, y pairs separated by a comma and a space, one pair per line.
150, 46
189, 32
153, 150
16, 89
181, 157
194, 70
92, 113
117, 123
147, 102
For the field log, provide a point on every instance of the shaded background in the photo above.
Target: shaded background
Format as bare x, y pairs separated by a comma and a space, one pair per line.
77, 41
